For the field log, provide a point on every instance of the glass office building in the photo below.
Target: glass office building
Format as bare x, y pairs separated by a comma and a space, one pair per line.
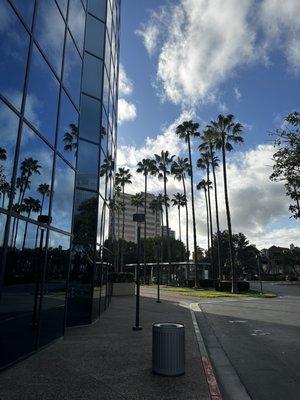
58, 123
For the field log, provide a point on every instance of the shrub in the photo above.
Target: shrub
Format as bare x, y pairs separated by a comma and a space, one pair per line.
122, 277
225, 286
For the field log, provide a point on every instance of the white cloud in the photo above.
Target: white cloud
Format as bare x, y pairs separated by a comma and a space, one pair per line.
281, 23
256, 203
126, 111
125, 84
200, 43
237, 93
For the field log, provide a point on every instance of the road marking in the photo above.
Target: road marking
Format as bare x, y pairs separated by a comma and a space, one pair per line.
259, 332
212, 383
238, 322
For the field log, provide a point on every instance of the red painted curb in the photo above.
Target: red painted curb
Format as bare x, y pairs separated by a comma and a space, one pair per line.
211, 379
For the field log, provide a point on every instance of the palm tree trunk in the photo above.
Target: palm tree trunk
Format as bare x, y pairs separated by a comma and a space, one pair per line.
179, 223
233, 275
193, 215
207, 221
211, 226
145, 229
155, 222
37, 228
123, 231
167, 223
217, 214
186, 220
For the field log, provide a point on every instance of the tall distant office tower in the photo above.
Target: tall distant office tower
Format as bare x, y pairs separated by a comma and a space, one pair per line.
153, 225
58, 124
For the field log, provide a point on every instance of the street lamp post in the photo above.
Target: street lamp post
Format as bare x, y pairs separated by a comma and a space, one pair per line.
139, 218
259, 272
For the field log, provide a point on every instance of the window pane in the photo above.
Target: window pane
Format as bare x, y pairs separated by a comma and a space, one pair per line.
67, 130
105, 91
92, 75
34, 176
104, 131
2, 232
9, 123
87, 165
63, 6
82, 267
90, 119
98, 8
62, 206
72, 70
77, 22
20, 291
50, 30
95, 36
41, 110
53, 305
26, 10
14, 42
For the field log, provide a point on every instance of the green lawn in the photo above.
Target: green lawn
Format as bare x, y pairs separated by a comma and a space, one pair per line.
212, 294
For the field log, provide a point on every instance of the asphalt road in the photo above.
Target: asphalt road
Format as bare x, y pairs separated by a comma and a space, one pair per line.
258, 341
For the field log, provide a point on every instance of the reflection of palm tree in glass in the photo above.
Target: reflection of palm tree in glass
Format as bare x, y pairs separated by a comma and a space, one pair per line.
30, 205
3, 154
5, 191
70, 139
44, 190
28, 167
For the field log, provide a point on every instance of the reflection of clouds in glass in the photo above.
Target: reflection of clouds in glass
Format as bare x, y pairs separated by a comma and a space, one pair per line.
26, 9
57, 239
14, 42
50, 29
77, 22
41, 82
63, 196
72, 70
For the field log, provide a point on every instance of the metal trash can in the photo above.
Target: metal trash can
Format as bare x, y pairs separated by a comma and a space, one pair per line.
168, 349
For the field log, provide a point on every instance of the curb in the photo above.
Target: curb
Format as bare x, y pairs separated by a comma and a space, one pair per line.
212, 383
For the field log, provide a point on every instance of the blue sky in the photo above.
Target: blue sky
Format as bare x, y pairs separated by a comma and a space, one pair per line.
202, 59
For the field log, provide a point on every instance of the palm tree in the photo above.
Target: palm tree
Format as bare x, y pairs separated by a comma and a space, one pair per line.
145, 167
30, 205
5, 191
226, 131
137, 200
179, 200
156, 207
123, 178
207, 145
163, 162
180, 169
188, 130
204, 163
203, 185
71, 139
3, 154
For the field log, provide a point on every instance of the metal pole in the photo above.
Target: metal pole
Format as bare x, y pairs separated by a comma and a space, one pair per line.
158, 282
259, 274
137, 326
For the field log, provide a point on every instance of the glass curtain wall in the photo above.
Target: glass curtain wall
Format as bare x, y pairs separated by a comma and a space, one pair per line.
53, 142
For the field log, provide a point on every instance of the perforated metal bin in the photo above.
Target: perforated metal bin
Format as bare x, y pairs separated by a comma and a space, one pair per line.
168, 348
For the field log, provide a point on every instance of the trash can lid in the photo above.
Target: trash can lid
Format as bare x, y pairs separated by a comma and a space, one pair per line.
168, 325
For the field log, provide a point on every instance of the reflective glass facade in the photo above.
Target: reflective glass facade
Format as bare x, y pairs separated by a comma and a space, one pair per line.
58, 124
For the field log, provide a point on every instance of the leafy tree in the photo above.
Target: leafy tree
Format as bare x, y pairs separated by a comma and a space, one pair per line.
180, 170
179, 200
287, 160
225, 132
186, 131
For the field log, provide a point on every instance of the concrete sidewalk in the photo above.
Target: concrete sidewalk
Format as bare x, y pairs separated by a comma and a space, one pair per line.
109, 361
